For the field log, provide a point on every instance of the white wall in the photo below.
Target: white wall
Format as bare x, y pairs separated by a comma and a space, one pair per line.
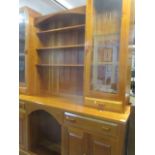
49, 6
42, 6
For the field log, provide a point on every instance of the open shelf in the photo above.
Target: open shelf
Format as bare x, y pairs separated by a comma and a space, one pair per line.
67, 14
59, 65
61, 47
45, 137
51, 146
47, 148
63, 29
40, 151
43, 151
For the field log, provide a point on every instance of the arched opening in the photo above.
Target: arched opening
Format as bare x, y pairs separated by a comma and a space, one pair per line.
44, 134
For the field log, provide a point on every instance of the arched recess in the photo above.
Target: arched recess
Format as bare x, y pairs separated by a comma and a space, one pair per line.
56, 113
44, 133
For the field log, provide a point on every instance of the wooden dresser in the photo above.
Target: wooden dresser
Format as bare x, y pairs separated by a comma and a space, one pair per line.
78, 81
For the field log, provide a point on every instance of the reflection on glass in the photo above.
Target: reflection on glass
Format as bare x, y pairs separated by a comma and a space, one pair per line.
106, 40
22, 69
22, 48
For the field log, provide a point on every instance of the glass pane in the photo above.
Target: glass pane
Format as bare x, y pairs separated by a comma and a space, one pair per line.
22, 47
22, 69
106, 40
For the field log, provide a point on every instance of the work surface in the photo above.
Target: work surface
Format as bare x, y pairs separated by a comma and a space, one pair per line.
68, 106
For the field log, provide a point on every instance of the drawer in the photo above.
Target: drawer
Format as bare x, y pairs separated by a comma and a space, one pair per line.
91, 124
21, 105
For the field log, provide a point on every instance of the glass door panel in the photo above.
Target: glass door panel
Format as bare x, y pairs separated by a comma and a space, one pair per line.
22, 27
106, 44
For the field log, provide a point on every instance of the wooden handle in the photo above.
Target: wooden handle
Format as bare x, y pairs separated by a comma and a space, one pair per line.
70, 119
105, 128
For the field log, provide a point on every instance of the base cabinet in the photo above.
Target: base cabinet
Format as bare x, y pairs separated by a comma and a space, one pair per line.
77, 134
87, 136
79, 142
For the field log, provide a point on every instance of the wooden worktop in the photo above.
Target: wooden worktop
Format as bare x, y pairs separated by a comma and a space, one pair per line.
68, 106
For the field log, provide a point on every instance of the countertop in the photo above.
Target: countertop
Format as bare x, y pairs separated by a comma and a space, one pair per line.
69, 106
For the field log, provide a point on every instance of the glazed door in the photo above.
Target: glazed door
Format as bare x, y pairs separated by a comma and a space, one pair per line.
22, 45
107, 28
104, 47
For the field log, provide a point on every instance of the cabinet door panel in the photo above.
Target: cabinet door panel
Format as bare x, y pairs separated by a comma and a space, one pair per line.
99, 148
107, 69
73, 141
22, 43
102, 146
104, 51
76, 142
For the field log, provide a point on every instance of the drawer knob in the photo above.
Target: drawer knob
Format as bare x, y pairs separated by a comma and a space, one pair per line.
105, 128
70, 119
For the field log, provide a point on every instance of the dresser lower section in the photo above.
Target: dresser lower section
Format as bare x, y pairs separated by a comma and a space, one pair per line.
46, 130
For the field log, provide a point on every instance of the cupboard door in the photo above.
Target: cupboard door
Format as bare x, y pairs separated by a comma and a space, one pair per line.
106, 46
22, 43
102, 146
27, 44
76, 142
22, 129
104, 53
106, 58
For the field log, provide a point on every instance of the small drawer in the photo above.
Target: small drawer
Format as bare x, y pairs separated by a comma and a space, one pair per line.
21, 105
91, 124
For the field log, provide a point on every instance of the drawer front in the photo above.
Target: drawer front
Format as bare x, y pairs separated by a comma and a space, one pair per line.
90, 124
21, 105
104, 104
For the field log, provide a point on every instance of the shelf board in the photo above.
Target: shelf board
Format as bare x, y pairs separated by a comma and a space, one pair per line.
59, 65
51, 146
40, 150
62, 29
61, 47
